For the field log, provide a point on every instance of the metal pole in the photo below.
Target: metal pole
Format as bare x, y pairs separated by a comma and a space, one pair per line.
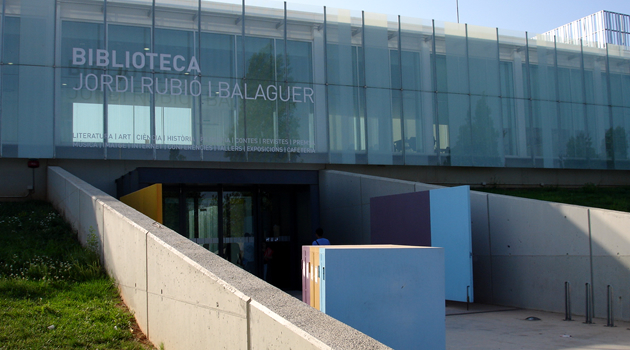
567, 301
610, 318
589, 315
457, 5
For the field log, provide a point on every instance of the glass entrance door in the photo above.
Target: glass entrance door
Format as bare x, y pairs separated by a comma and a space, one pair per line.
254, 227
202, 218
238, 229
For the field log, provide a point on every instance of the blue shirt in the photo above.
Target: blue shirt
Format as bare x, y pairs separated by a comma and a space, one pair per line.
321, 241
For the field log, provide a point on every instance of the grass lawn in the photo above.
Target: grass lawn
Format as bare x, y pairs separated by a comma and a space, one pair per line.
53, 292
617, 198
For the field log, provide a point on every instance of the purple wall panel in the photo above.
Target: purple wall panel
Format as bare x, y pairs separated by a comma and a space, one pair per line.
401, 219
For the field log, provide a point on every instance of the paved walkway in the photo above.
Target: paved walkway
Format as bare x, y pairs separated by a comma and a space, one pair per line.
490, 327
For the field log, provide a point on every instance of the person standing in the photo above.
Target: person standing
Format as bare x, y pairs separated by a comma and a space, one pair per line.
319, 233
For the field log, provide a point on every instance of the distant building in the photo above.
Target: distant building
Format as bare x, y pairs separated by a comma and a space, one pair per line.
601, 28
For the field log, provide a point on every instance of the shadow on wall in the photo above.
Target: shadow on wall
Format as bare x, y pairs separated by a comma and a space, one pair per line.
523, 250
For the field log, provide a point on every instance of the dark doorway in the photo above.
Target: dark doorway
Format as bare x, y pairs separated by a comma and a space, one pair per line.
257, 220
255, 227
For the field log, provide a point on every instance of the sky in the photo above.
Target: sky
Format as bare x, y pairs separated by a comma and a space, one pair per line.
533, 16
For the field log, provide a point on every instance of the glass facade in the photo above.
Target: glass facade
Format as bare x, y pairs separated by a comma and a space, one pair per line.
194, 80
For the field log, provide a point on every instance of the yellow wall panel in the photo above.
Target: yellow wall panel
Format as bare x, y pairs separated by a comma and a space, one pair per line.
148, 201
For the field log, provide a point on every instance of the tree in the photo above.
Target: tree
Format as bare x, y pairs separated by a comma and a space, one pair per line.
581, 146
479, 140
616, 143
264, 69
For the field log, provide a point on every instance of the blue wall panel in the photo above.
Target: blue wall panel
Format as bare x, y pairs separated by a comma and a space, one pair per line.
436, 218
450, 229
394, 294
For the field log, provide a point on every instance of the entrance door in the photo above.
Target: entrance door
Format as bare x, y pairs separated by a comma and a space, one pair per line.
201, 215
257, 228
238, 229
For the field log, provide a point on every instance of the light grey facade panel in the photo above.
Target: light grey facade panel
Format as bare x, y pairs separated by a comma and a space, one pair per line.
194, 80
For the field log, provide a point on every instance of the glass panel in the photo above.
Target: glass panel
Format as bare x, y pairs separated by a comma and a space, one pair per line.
454, 115
598, 124
347, 124
264, 18
544, 139
379, 126
297, 116
570, 78
345, 56
177, 89
223, 17
129, 127
202, 219
596, 81
451, 42
170, 209
35, 29
483, 61
486, 132
513, 66
619, 66
381, 35
515, 124
542, 69
217, 55
178, 111
418, 109
578, 144
306, 64
617, 138
139, 13
33, 100
417, 51
180, 14
208, 218
237, 225
10, 84
220, 117
79, 106
27, 86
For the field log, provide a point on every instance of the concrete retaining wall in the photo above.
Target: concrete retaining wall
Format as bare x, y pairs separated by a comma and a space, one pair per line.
182, 295
523, 250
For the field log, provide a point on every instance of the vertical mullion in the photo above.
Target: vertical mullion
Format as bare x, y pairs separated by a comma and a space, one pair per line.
286, 70
244, 79
470, 124
198, 53
402, 110
286, 56
328, 131
610, 111
152, 100
436, 99
54, 84
363, 100
530, 113
500, 94
105, 99
558, 105
584, 107
2, 71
